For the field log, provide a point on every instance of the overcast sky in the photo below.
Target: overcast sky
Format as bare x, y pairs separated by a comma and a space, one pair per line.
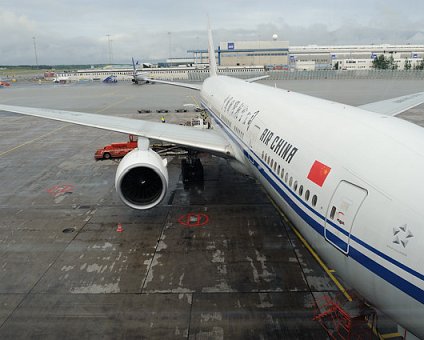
74, 31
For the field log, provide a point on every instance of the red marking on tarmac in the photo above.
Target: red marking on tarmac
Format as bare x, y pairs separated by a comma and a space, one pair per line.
61, 189
193, 220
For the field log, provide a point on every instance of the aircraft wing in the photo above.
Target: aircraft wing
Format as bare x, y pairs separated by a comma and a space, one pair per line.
174, 83
198, 139
195, 86
394, 106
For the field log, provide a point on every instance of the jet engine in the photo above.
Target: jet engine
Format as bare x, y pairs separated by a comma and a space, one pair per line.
142, 179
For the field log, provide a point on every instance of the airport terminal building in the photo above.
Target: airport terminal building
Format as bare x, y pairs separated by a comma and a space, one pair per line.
252, 58
276, 54
352, 57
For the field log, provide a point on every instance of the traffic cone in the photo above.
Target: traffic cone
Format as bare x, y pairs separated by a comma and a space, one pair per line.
119, 229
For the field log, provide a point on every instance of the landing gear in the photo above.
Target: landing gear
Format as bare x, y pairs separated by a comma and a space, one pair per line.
192, 170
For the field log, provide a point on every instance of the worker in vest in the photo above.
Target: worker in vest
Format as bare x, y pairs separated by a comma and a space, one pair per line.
163, 119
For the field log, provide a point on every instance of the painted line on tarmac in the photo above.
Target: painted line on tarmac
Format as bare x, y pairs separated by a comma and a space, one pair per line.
115, 103
32, 140
62, 127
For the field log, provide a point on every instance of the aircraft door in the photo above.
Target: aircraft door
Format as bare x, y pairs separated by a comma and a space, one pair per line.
253, 134
341, 213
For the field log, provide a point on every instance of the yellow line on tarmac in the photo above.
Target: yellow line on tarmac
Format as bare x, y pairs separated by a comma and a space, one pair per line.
390, 335
322, 264
113, 104
59, 128
32, 140
314, 254
195, 101
329, 271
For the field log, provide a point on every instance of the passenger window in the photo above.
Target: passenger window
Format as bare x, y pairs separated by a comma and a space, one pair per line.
295, 186
282, 173
307, 193
291, 181
287, 176
272, 162
333, 212
314, 200
301, 190
262, 155
278, 171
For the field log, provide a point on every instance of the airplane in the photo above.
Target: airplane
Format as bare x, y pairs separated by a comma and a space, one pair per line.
61, 80
139, 77
348, 178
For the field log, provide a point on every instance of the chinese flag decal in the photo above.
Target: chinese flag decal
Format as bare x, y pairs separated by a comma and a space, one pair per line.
319, 173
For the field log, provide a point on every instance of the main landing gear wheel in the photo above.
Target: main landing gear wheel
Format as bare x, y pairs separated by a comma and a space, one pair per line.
191, 170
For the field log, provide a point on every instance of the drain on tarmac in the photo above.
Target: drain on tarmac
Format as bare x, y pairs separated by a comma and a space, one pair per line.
68, 230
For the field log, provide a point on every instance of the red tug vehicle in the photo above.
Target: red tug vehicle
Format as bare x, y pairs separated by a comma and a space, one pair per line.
116, 150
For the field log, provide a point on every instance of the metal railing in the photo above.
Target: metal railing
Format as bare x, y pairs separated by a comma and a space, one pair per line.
346, 74
318, 74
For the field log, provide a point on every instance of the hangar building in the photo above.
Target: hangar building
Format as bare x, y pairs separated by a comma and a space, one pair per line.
247, 53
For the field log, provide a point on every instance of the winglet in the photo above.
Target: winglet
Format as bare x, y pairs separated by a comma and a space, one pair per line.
213, 70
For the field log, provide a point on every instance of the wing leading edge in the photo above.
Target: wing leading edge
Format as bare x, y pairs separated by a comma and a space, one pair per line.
203, 140
195, 86
395, 106
174, 83
251, 80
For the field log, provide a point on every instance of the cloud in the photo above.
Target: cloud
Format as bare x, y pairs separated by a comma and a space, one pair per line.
14, 29
75, 32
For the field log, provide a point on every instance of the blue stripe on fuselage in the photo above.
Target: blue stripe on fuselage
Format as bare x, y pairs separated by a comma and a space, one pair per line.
387, 275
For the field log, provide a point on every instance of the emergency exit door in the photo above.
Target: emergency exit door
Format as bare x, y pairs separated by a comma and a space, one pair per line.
341, 213
253, 134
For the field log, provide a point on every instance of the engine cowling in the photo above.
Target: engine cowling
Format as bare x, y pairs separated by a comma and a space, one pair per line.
142, 179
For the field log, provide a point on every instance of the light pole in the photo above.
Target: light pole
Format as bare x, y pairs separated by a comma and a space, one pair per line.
170, 44
109, 48
35, 51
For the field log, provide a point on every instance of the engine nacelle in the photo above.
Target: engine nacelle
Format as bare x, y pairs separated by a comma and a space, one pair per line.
142, 179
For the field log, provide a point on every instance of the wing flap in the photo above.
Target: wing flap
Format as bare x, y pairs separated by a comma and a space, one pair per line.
395, 106
197, 139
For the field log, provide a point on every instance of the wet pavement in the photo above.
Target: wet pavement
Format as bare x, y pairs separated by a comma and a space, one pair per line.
236, 271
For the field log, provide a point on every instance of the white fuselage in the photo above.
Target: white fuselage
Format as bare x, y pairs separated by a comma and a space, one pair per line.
140, 77
366, 218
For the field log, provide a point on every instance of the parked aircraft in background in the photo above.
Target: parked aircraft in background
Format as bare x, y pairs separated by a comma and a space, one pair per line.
61, 80
139, 77
349, 178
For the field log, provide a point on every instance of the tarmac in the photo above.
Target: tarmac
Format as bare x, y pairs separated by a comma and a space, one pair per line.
212, 261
